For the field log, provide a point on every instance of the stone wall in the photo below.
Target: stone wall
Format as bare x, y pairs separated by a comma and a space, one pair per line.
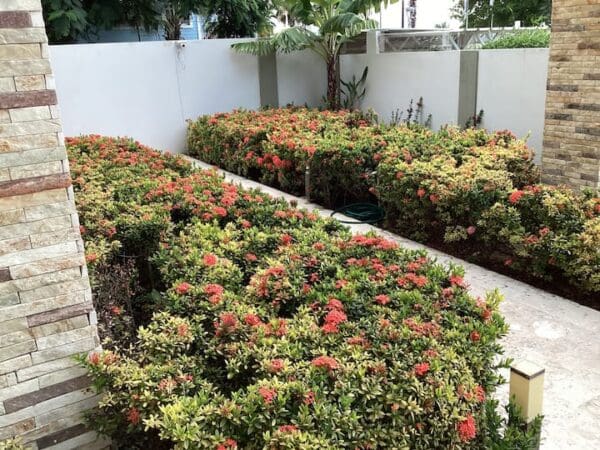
572, 132
46, 313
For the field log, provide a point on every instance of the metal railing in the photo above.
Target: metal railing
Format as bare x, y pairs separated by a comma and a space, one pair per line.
439, 40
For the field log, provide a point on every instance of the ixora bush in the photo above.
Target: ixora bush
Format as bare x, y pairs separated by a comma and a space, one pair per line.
474, 193
261, 326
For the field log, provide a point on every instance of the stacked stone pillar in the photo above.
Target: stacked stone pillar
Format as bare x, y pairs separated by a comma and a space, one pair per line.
572, 132
46, 313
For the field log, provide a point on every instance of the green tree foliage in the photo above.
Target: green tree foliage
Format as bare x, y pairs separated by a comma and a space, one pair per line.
537, 38
506, 12
324, 27
237, 18
70, 20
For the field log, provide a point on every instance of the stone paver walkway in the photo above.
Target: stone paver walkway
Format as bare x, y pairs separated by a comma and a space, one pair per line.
551, 331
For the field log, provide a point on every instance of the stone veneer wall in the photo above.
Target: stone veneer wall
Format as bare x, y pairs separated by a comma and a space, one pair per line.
46, 313
572, 132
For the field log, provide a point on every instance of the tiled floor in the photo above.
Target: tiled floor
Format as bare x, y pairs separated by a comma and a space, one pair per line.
551, 331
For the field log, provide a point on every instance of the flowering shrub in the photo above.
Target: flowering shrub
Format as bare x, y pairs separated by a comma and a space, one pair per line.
472, 192
265, 326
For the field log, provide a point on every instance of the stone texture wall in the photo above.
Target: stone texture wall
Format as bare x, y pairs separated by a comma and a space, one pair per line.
46, 313
572, 132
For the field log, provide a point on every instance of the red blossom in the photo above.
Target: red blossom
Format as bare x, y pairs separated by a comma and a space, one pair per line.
183, 329
421, 369
421, 192
471, 230
480, 394
267, 394
515, 196
252, 320
475, 336
467, 429
309, 398
227, 445
251, 257
286, 239
276, 365
456, 280
94, 358
325, 362
334, 304
382, 299
209, 259
288, 428
133, 416
183, 288
340, 284
213, 289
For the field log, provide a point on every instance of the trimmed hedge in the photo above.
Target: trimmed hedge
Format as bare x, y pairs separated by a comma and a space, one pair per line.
474, 193
264, 326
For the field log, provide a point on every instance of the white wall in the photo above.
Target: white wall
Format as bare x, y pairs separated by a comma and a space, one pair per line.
301, 78
396, 78
147, 90
512, 92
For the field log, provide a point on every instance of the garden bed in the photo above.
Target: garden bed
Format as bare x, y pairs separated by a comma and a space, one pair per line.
237, 321
470, 193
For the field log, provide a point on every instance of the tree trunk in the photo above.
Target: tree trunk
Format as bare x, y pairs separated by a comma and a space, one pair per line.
333, 91
172, 25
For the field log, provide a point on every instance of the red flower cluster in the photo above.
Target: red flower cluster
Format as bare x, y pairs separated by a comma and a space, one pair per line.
214, 292
382, 299
421, 369
267, 394
288, 428
325, 362
467, 429
252, 320
227, 445
276, 365
133, 416
226, 324
183, 288
209, 259
515, 196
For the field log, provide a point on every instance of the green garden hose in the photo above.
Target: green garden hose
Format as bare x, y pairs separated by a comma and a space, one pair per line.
362, 212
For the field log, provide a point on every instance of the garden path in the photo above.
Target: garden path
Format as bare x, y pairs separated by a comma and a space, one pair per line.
551, 331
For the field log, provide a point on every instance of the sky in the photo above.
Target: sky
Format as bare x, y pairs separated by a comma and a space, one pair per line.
429, 13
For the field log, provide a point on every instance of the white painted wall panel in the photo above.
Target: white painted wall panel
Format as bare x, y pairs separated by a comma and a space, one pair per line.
512, 92
147, 90
396, 78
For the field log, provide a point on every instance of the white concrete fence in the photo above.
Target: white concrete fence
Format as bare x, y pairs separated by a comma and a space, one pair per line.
148, 90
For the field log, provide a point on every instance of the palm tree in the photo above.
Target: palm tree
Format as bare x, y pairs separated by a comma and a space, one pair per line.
326, 25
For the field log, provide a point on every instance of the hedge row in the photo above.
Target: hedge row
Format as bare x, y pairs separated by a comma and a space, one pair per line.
262, 326
474, 193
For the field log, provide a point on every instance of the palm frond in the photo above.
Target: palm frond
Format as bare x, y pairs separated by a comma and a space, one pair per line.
363, 6
288, 40
345, 22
